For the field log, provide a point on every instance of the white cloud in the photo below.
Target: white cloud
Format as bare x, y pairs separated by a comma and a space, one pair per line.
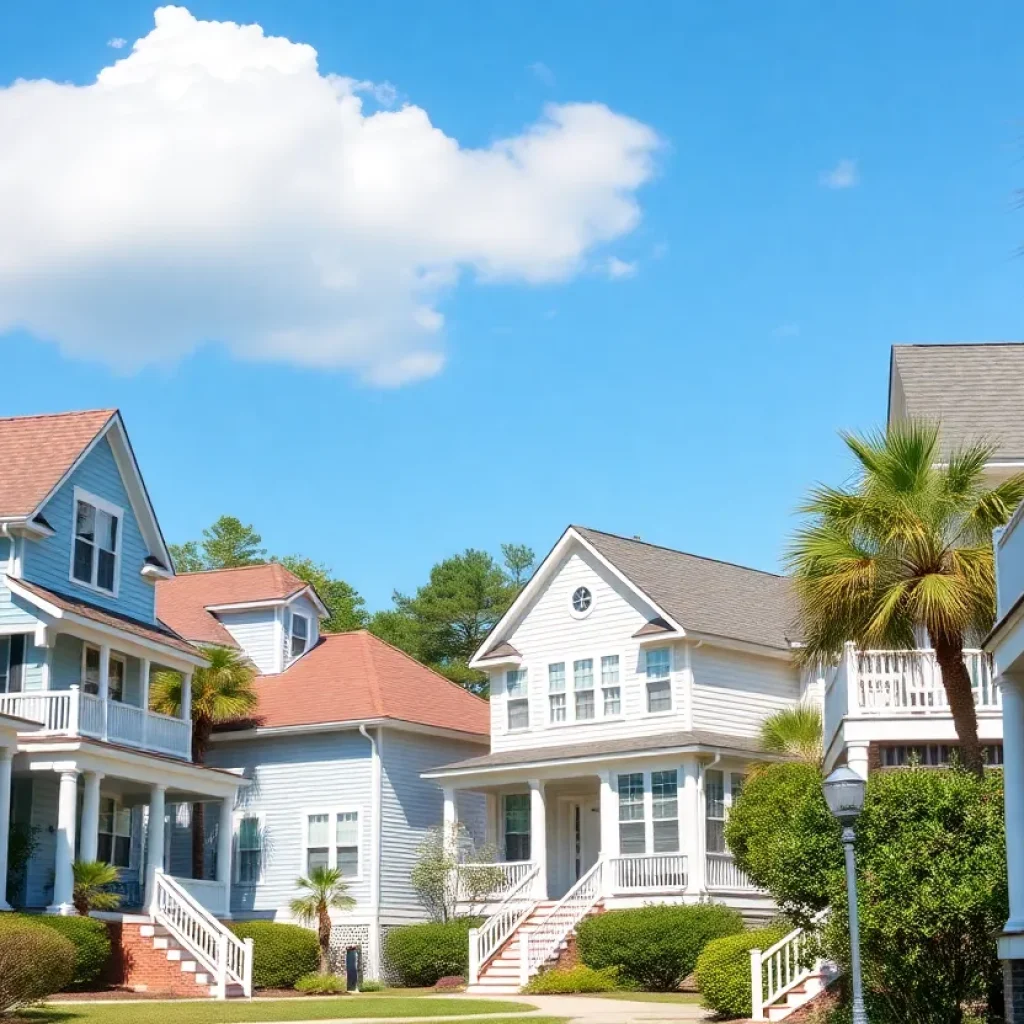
213, 185
617, 269
117, 43
843, 175
541, 72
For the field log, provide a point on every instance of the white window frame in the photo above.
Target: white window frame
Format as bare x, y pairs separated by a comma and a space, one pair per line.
115, 835
644, 803
590, 607
677, 771
670, 710
563, 693
101, 505
617, 685
523, 698
292, 656
728, 775
236, 832
332, 832
5, 675
114, 656
569, 661
593, 691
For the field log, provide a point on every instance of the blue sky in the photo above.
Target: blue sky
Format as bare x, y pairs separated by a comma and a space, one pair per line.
690, 400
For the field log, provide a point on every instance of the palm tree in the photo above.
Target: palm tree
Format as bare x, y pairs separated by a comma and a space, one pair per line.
324, 890
907, 546
221, 691
92, 881
796, 731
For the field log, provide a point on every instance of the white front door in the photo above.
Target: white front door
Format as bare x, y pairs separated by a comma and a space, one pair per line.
583, 834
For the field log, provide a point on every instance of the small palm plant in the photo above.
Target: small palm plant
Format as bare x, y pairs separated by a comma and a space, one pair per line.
323, 891
795, 731
92, 881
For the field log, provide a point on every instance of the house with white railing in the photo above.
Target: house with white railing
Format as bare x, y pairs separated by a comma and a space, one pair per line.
628, 686
87, 768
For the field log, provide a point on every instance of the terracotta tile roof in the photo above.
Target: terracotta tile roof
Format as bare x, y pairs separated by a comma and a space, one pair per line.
350, 677
156, 633
182, 601
36, 451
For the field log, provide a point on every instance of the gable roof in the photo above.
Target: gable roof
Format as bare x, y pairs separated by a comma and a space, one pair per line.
975, 392
37, 452
182, 601
355, 677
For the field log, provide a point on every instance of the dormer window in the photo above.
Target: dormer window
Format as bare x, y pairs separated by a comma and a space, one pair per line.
97, 542
299, 635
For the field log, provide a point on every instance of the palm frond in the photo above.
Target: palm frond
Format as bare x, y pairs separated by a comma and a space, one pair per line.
795, 731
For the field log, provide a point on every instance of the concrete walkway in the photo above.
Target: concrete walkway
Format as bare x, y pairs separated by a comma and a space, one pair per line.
594, 1010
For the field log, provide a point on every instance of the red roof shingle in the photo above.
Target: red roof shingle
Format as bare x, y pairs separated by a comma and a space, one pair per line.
350, 677
36, 452
182, 601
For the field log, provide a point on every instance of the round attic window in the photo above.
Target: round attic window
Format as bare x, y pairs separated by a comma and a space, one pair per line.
582, 601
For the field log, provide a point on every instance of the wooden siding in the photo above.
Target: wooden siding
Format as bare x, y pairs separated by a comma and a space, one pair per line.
292, 775
734, 692
39, 878
410, 807
257, 632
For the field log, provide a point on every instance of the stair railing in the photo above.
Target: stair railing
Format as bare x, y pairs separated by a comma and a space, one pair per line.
540, 943
780, 968
215, 947
488, 939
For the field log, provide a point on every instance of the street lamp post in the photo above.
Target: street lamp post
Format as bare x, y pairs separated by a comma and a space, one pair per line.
844, 794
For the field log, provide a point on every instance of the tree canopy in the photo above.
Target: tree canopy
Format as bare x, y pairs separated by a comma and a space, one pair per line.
345, 604
227, 544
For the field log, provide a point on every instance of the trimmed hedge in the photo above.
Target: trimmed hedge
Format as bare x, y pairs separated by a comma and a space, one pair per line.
654, 947
281, 954
423, 953
91, 940
34, 962
574, 979
723, 970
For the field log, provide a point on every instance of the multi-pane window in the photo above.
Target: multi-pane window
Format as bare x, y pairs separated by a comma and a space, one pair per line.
583, 688
517, 826
249, 851
632, 837
299, 635
610, 685
665, 811
714, 810
332, 841
556, 691
12, 660
517, 699
97, 534
659, 680
114, 839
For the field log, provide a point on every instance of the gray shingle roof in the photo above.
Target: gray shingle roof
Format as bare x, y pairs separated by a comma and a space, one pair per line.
702, 594
975, 391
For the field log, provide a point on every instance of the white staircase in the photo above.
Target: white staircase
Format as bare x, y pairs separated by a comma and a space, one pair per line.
785, 976
202, 945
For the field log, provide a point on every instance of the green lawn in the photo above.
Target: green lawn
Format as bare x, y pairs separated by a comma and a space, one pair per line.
693, 998
236, 1011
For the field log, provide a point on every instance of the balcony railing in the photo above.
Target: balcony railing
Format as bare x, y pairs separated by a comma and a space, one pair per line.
74, 713
491, 881
648, 872
723, 873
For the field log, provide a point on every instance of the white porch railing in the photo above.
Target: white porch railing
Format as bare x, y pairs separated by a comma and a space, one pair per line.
648, 872
488, 939
722, 873
512, 873
221, 953
780, 968
74, 713
540, 943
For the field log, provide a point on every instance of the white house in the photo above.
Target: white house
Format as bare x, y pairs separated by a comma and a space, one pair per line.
628, 686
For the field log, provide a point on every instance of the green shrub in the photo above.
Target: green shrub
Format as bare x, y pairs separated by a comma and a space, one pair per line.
320, 984
654, 947
282, 953
91, 941
574, 979
34, 962
423, 953
723, 970
371, 986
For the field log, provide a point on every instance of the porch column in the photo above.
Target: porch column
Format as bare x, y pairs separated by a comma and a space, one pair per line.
225, 842
692, 807
88, 843
539, 836
491, 823
154, 840
1013, 795
609, 829
144, 670
186, 697
6, 762
104, 693
451, 811
63, 873
857, 758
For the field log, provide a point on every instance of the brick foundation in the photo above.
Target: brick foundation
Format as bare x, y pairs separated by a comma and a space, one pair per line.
135, 964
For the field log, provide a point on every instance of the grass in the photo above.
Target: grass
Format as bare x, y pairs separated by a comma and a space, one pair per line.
378, 1006
691, 998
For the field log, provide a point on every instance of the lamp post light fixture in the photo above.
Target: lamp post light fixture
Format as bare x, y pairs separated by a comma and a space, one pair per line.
844, 793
